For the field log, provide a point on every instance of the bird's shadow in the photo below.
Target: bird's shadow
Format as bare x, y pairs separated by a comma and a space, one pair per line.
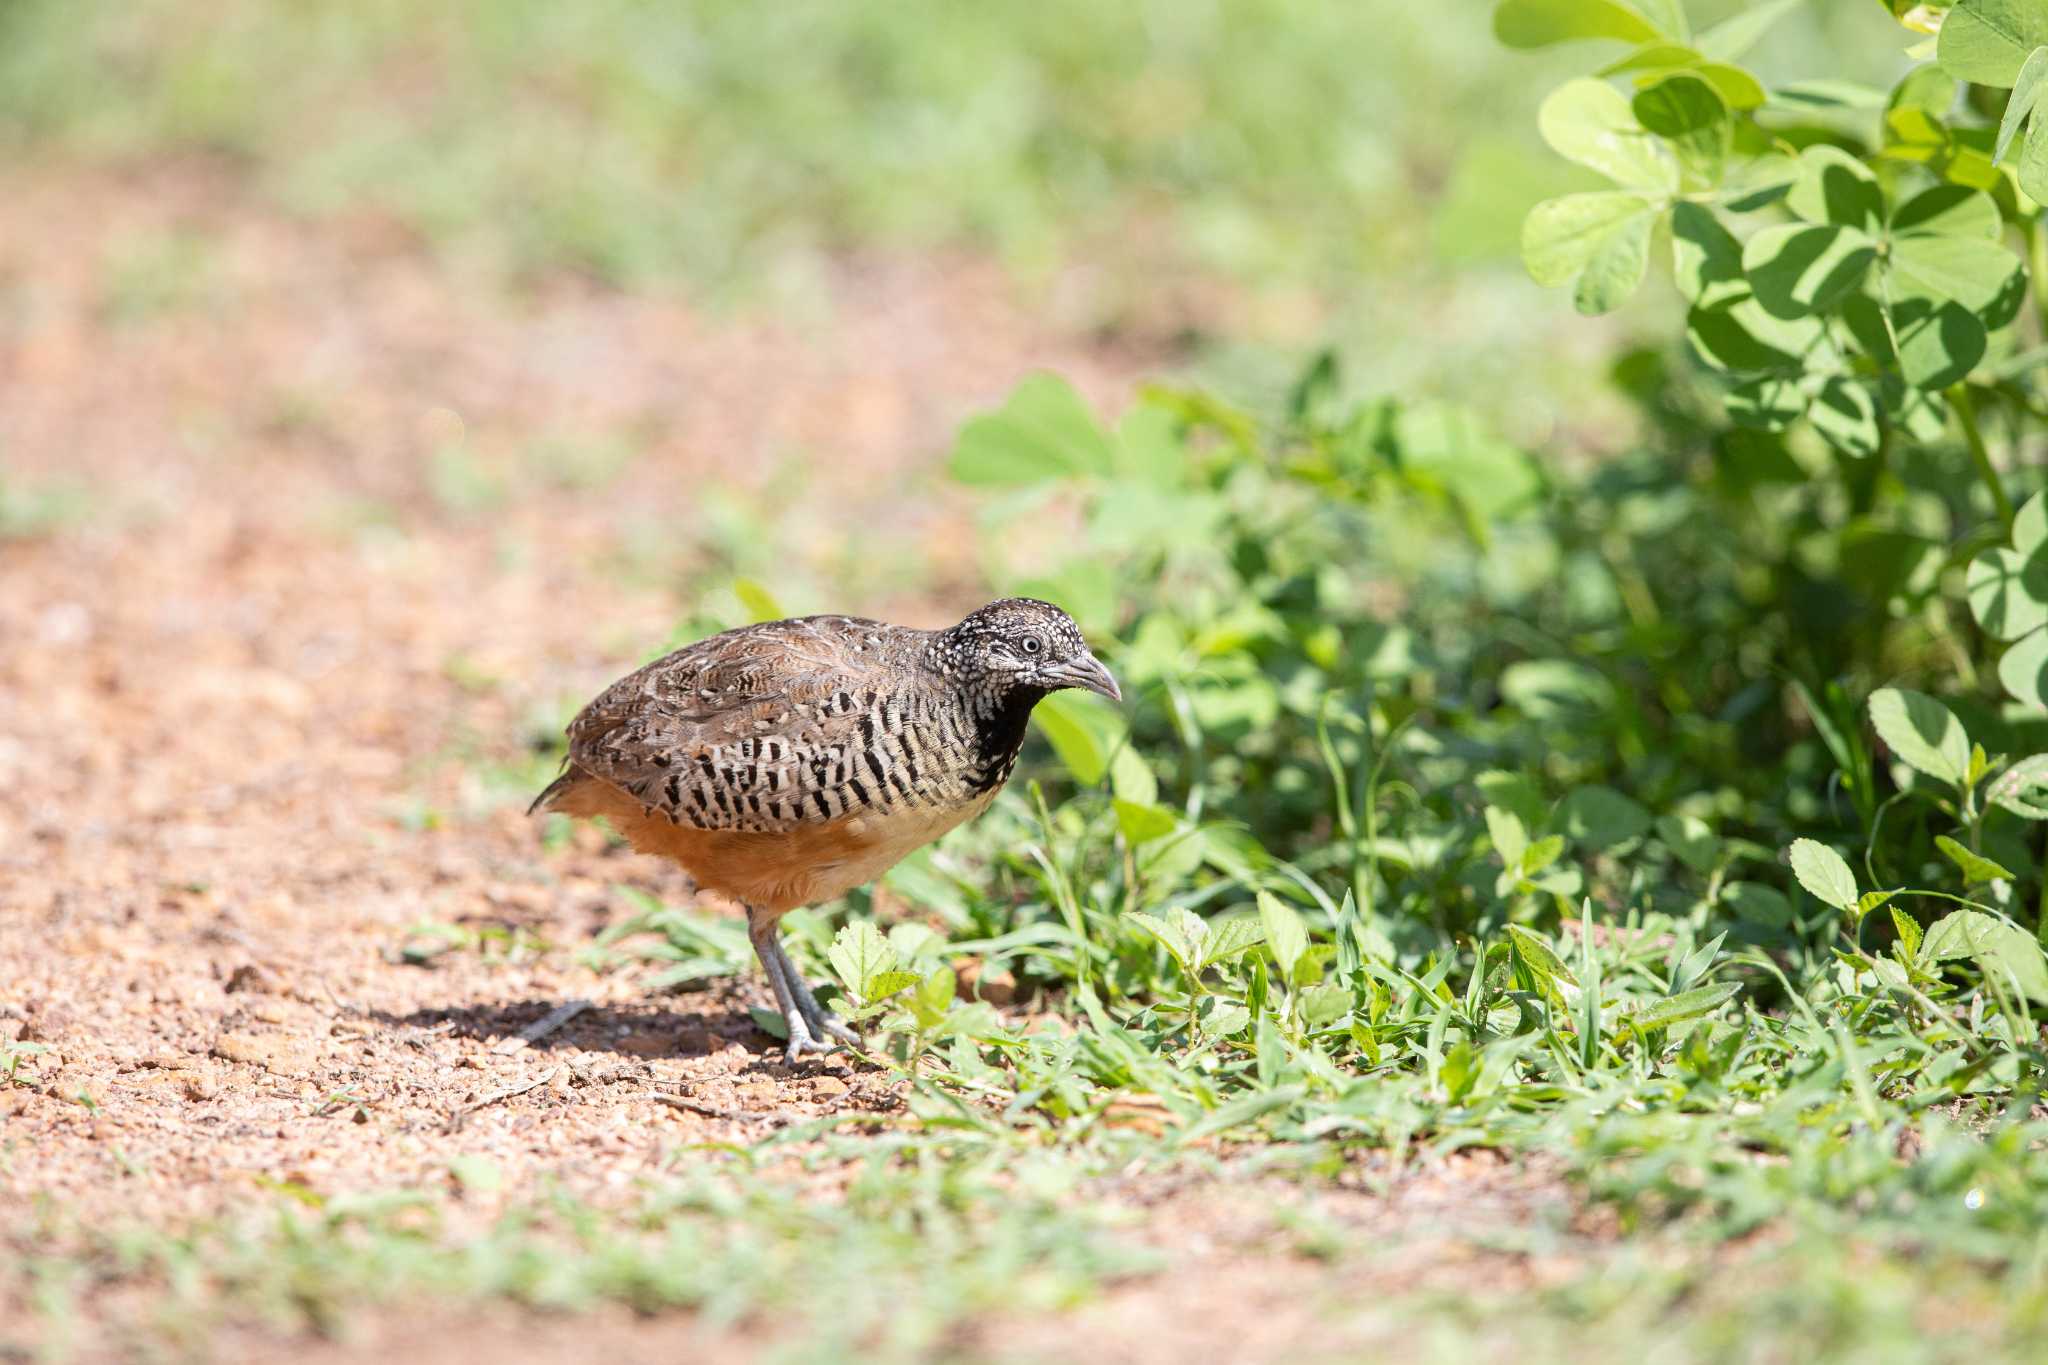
640, 1031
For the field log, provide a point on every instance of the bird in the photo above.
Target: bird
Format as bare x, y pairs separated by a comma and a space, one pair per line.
788, 762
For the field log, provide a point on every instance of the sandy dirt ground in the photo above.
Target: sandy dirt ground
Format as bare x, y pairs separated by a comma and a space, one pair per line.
279, 621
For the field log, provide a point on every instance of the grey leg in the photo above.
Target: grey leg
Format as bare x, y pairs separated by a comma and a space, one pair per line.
823, 1022
768, 947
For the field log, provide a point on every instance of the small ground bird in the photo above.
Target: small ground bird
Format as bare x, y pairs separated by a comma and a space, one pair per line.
789, 762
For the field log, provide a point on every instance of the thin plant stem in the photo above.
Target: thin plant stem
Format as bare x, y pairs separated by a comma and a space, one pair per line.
1966, 413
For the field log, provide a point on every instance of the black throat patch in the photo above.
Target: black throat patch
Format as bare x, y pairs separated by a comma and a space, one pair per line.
999, 734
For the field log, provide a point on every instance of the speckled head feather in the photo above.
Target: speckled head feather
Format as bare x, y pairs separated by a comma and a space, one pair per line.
1018, 647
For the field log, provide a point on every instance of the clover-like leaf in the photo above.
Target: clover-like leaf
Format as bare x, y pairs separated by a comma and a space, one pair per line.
1689, 112
1589, 122
2023, 670
1987, 42
1845, 415
1769, 402
1744, 339
1834, 187
1976, 273
1706, 260
2008, 592
1801, 268
1824, 874
2028, 89
1599, 242
1922, 733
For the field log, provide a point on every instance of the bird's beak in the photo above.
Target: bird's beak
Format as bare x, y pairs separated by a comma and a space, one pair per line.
1090, 673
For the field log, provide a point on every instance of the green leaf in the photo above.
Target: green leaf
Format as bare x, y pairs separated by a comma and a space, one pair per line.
1131, 778
2023, 788
1510, 836
1975, 866
475, 1172
1922, 733
1971, 271
1988, 42
2030, 525
1599, 242
858, 954
1759, 904
1940, 342
1286, 934
1539, 955
2008, 593
769, 1022
882, 985
1801, 268
1589, 122
2023, 669
1169, 934
1706, 260
1141, 824
1994, 942
1541, 854
1229, 937
1824, 875
1845, 415
1738, 33
1951, 211
1692, 1004
1744, 339
2033, 166
1691, 840
1324, 1004
934, 997
1602, 817
1909, 933
1540, 23
1043, 433
1768, 402
1834, 187
1080, 730
1687, 111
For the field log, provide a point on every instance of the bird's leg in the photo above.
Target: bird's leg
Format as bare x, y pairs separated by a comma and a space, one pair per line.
761, 931
823, 1022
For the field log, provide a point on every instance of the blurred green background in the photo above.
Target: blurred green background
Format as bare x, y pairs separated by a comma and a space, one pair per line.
1240, 178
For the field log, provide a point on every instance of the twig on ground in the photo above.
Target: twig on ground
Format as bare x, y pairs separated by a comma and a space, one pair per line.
710, 1111
543, 1026
456, 1119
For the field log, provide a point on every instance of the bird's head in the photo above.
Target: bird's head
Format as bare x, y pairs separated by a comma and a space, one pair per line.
1019, 644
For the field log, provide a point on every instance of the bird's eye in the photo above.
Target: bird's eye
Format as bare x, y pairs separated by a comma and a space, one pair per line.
1032, 644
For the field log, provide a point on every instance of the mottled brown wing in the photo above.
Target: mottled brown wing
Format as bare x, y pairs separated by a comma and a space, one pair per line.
757, 729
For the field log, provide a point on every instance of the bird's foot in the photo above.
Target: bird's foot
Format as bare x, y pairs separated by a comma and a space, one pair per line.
823, 1023
803, 1039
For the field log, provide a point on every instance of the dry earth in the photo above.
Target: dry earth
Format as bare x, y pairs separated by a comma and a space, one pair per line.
282, 622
